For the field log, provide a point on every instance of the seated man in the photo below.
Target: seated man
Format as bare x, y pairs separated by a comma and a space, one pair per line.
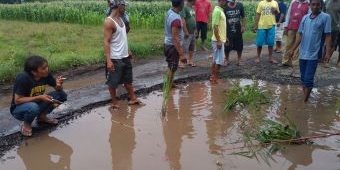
29, 100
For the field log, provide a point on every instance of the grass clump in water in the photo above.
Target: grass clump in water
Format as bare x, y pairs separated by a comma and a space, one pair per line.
263, 137
247, 95
167, 85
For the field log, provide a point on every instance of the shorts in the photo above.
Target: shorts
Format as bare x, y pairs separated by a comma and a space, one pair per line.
335, 39
279, 32
121, 74
202, 28
218, 53
171, 57
265, 37
189, 43
307, 71
235, 43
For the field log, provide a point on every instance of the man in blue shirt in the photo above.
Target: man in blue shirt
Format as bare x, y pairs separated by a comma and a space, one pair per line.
311, 29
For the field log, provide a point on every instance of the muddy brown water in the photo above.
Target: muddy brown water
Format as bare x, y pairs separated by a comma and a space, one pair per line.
194, 134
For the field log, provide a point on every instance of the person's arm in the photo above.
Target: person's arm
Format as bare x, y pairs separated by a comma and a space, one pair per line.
256, 22
175, 32
257, 17
243, 26
184, 23
297, 42
19, 99
109, 29
328, 39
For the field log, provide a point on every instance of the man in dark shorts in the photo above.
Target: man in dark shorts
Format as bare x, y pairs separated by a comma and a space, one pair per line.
29, 99
234, 12
174, 37
117, 54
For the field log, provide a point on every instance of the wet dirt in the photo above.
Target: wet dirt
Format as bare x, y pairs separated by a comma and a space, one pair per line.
194, 134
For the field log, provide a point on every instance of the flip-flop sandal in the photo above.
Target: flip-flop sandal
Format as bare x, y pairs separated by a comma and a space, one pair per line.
278, 51
240, 63
273, 61
137, 102
49, 121
192, 65
26, 132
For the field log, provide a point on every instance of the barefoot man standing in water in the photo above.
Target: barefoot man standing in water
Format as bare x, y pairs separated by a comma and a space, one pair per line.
311, 29
117, 54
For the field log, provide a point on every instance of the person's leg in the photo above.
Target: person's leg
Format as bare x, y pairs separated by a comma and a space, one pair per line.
227, 49
239, 48
47, 107
219, 61
290, 40
26, 112
309, 77
278, 38
213, 77
303, 64
172, 58
191, 50
260, 37
204, 35
114, 79
199, 29
271, 41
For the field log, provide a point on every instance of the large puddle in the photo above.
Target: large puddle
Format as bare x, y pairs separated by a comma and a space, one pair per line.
195, 134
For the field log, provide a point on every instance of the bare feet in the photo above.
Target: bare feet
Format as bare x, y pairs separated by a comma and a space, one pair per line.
26, 130
257, 60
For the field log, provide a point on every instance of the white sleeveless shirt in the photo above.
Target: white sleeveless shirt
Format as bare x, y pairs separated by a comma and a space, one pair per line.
119, 44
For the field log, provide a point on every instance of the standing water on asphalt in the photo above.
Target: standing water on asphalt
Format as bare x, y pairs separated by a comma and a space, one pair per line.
195, 134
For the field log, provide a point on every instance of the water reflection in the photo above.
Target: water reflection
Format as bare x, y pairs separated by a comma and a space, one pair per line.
177, 124
48, 153
122, 137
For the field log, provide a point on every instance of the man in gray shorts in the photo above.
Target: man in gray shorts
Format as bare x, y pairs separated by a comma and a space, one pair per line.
117, 54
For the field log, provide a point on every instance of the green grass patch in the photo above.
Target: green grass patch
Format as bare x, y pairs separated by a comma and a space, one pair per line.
247, 95
64, 45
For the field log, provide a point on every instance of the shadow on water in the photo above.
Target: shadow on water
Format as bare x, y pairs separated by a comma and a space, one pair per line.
195, 133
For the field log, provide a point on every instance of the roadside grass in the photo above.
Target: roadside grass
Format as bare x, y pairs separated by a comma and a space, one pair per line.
69, 45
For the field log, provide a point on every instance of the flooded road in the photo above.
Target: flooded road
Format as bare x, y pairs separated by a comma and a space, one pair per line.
194, 134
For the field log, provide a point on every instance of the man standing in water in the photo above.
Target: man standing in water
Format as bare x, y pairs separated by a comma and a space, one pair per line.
219, 39
264, 25
117, 54
173, 40
29, 100
312, 28
234, 12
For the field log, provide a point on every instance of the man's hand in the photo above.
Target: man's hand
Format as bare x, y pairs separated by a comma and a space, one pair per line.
290, 54
219, 44
278, 24
285, 32
45, 97
110, 66
182, 59
226, 42
59, 82
242, 29
186, 35
274, 10
254, 29
130, 55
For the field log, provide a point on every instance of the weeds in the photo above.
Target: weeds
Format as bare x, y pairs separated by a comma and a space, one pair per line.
167, 85
248, 95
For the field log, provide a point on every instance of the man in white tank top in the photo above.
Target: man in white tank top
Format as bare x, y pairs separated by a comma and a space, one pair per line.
117, 55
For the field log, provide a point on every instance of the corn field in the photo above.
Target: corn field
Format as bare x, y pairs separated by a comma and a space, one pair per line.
148, 15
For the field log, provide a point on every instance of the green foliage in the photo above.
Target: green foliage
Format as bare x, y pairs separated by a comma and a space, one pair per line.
149, 15
167, 85
248, 95
263, 137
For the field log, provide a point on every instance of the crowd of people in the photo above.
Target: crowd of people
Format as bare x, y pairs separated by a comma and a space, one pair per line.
311, 35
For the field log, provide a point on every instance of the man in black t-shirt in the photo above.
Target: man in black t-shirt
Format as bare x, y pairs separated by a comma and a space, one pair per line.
236, 23
29, 98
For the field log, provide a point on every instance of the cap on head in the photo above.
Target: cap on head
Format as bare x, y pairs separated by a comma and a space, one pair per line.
115, 3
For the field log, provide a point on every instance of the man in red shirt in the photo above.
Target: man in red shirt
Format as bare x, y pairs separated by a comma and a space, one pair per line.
203, 10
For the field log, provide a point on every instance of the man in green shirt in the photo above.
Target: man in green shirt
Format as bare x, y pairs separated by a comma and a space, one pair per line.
189, 27
219, 39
